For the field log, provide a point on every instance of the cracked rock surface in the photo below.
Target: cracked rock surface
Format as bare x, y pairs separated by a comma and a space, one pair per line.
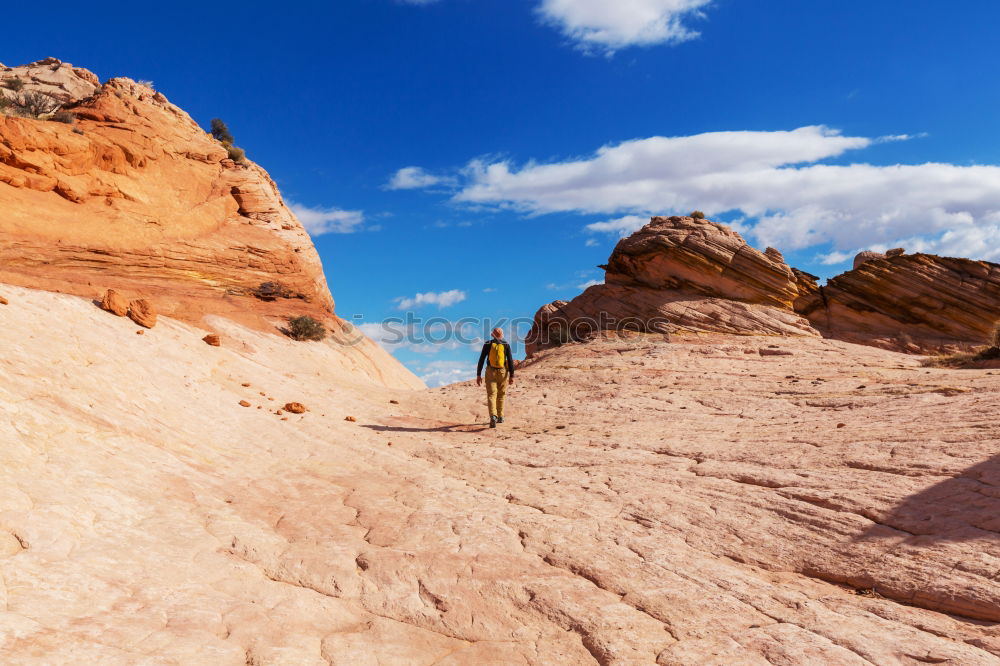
645, 503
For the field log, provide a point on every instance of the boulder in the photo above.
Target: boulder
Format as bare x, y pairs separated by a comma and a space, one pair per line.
114, 303
142, 312
866, 255
295, 407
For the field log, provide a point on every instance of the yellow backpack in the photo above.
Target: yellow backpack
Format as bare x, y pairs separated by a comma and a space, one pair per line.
497, 355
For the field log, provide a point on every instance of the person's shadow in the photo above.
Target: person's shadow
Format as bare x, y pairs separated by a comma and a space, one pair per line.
458, 427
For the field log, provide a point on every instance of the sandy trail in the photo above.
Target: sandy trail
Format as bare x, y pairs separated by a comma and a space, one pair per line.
691, 503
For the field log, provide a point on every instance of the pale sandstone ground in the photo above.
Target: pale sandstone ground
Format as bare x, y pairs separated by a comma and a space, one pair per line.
684, 503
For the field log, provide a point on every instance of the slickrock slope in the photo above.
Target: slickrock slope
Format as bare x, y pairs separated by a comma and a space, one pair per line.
680, 274
687, 503
136, 197
909, 302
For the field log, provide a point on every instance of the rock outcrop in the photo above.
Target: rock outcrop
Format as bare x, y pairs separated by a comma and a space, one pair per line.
136, 196
114, 303
682, 274
133, 195
918, 303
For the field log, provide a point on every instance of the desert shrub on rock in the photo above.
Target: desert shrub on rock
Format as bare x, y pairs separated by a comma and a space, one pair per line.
236, 154
306, 328
33, 104
63, 117
269, 291
14, 84
698, 215
222, 134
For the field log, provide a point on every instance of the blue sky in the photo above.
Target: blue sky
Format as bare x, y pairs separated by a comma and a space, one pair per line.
821, 128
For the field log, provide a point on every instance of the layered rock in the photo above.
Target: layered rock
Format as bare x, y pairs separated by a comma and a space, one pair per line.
682, 274
136, 196
686, 274
908, 302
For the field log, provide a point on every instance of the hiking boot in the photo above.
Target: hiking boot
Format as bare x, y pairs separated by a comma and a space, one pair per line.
499, 419
493, 422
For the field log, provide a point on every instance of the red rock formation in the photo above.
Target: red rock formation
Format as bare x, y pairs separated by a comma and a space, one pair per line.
114, 303
686, 274
136, 196
682, 274
909, 302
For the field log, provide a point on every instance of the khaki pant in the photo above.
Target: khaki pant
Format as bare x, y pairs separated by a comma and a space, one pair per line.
496, 389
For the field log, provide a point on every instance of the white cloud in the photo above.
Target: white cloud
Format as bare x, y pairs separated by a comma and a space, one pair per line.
439, 373
589, 283
609, 25
319, 220
412, 178
774, 177
621, 226
441, 299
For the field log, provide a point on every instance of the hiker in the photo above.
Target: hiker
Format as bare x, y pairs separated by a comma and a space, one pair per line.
499, 371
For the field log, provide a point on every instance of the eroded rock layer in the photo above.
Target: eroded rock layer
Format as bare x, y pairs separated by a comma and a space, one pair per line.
681, 274
909, 302
135, 196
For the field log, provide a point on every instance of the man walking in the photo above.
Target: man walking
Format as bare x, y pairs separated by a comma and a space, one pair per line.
499, 371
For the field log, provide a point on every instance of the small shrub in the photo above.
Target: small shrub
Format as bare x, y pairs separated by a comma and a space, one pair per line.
144, 82
221, 132
63, 117
236, 154
14, 84
698, 215
269, 291
306, 328
34, 104
4, 103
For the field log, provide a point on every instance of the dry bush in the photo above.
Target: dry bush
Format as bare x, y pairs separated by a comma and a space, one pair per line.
33, 104
306, 328
697, 214
269, 291
236, 154
63, 117
14, 84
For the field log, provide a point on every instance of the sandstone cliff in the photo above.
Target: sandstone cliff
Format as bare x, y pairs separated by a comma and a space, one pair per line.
681, 274
911, 302
133, 195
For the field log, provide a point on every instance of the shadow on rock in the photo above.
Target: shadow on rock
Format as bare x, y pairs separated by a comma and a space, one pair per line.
962, 508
